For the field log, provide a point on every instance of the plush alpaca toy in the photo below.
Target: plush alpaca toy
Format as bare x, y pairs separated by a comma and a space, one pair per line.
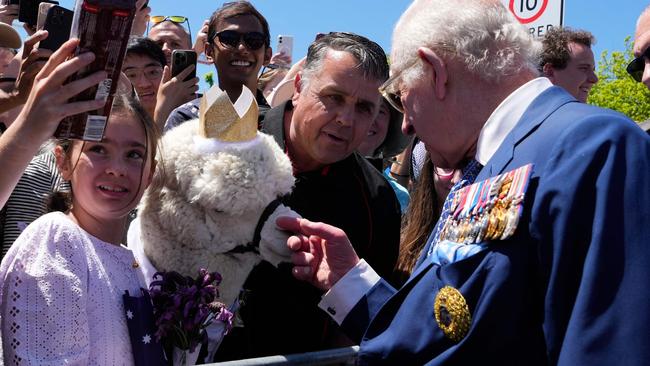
214, 198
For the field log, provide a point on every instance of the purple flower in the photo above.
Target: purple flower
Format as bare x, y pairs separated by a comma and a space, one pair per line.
184, 306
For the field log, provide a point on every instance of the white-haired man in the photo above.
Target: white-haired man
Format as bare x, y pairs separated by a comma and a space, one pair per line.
544, 258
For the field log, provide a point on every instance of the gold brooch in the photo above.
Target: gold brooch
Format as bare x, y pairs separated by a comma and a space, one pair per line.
135, 264
452, 313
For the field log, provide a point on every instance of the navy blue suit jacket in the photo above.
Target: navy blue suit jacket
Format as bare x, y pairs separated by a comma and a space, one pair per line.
571, 287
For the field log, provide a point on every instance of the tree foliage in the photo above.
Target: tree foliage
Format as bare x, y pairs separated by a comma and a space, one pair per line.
209, 78
616, 89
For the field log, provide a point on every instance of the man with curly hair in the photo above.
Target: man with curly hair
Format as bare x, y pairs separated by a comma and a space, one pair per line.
567, 60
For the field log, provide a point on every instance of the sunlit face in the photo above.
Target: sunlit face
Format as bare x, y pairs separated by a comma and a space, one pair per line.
108, 177
238, 65
641, 44
170, 36
145, 74
332, 112
377, 131
578, 77
441, 123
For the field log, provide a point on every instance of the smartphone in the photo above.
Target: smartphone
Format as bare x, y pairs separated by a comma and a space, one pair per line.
57, 23
28, 11
285, 45
181, 59
42, 14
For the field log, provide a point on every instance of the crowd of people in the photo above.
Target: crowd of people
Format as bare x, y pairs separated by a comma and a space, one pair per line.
412, 242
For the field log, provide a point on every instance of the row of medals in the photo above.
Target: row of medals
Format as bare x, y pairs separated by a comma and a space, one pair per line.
487, 210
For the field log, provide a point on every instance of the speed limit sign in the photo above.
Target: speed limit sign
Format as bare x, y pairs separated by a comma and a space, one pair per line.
537, 15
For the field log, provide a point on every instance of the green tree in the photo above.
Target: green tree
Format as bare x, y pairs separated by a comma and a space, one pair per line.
209, 78
616, 89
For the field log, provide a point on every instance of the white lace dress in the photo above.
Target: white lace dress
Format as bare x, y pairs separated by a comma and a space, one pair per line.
61, 297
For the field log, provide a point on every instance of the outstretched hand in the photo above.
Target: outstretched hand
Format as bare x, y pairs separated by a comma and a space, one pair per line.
47, 103
322, 253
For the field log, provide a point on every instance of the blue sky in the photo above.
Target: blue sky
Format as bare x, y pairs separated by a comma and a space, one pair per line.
610, 21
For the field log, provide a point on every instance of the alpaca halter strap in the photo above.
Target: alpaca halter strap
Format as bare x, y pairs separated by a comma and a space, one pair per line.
255, 244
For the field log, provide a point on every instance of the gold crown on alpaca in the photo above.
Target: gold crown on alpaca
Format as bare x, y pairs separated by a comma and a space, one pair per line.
220, 119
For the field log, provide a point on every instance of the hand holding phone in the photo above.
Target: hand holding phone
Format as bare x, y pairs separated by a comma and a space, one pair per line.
285, 45
181, 59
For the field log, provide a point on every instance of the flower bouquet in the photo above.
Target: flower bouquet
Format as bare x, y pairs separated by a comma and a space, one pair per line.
183, 308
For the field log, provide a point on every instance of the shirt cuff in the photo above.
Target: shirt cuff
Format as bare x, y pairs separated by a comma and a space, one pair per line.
347, 292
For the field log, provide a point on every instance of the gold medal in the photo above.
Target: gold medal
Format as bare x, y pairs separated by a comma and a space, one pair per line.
452, 313
512, 218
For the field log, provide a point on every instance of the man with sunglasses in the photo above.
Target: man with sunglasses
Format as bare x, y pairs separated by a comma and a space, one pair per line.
562, 278
567, 60
238, 43
321, 128
169, 34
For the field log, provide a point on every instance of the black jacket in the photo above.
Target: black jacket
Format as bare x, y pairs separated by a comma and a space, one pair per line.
280, 313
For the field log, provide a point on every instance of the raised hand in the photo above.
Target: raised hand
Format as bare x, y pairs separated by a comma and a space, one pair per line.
199, 44
8, 13
47, 103
33, 60
173, 92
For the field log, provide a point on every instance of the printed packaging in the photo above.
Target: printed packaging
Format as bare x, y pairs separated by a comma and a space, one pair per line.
102, 27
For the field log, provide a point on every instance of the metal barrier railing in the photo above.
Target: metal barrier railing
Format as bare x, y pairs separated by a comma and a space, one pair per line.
338, 356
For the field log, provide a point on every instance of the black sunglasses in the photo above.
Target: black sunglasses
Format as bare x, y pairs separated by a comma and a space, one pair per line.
252, 40
635, 67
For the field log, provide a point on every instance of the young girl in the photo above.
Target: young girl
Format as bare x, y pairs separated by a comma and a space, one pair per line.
64, 277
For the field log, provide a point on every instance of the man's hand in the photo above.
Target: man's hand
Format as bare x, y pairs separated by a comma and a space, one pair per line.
322, 253
173, 92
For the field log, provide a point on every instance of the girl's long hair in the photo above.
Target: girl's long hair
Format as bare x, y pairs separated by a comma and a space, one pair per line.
418, 223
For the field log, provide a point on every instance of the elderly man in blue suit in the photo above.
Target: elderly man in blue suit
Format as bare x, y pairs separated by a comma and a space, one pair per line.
542, 253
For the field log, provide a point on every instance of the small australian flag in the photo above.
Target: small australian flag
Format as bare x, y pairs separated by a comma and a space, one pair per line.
139, 319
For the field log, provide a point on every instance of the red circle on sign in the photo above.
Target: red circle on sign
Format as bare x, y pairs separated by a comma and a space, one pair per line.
531, 19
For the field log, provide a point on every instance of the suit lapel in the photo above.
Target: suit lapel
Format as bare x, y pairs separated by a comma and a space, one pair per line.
544, 105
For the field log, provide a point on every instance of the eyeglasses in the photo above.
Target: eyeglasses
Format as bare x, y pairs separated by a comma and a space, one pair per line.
635, 67
151, 73
394, 97
176, 19
252, 40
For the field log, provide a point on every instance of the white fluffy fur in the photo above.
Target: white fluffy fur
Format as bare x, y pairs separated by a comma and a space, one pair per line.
203, 204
